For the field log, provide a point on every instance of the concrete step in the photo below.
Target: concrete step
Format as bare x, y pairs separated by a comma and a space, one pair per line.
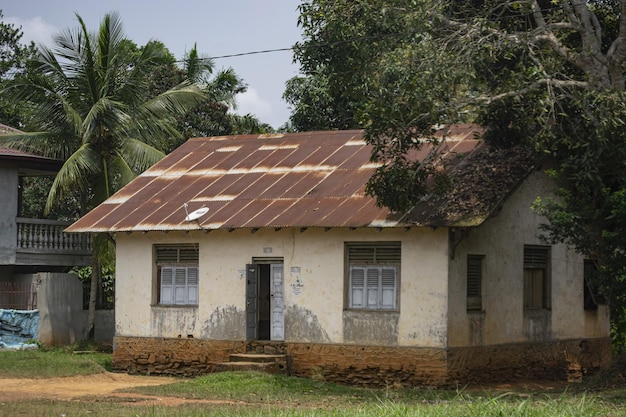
257, 357
268, 367
273, 364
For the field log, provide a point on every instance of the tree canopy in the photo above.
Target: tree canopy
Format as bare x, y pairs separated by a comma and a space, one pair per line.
13, 57
547, 74
88, 107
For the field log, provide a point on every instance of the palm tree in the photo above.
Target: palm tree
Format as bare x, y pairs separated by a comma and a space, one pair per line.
212, 116
89, 107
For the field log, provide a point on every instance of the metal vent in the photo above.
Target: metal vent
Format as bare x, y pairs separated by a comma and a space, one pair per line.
374, 252
536, 256
176, 254
474, 273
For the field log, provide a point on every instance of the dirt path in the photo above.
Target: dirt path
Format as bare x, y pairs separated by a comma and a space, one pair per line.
98, 386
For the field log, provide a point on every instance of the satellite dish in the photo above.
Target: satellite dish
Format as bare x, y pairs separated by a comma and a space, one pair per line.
196, 214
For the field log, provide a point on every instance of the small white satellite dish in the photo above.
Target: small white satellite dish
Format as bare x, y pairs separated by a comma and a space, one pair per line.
196, 214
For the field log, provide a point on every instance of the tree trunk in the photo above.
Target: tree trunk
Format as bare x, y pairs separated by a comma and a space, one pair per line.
93, 291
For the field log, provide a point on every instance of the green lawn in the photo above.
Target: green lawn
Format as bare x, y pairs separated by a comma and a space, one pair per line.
51, 363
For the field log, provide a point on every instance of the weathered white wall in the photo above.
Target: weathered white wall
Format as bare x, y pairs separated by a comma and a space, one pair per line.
314, 297
503, 320
62, 320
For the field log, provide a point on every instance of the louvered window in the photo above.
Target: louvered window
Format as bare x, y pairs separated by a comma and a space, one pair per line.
474, 282
177, 274
536, 277
373, 270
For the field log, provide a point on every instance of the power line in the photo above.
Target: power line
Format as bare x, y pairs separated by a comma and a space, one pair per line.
265, 51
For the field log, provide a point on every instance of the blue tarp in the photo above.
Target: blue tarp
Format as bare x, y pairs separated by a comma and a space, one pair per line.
18, 329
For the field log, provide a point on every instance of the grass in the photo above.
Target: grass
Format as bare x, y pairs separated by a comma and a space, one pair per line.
257, 387
50, 363
253, 394
257, 394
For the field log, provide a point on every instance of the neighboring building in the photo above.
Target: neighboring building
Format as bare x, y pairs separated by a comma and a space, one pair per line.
35, 253
269, 243
30, 245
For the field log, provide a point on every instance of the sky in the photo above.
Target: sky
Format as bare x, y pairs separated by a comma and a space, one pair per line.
217, 27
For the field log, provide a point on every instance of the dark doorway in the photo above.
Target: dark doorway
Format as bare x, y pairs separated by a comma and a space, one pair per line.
265, 302
265, 306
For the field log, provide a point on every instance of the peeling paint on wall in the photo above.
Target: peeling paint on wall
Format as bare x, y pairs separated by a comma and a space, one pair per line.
301, 324
538, 325
225, 323
375, 327
476, 324
174, 322
436, 334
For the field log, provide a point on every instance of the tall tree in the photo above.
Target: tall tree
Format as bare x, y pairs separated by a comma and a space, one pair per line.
89, 105
13, 57
343, 42
314, 106
549, 74
213, 115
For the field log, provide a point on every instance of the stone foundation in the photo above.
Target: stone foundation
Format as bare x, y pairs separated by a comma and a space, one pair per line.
565, 360
370, 365
164, 356
373, 365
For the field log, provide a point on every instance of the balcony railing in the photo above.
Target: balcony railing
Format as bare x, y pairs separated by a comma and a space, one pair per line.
39, 235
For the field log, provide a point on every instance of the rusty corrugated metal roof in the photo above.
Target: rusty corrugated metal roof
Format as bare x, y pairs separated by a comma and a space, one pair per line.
312, 179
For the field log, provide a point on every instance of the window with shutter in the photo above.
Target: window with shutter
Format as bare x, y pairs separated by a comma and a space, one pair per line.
474, 282
192, 285
167, 285
357, 287
537, 291
372, 275
177, 274
388, 287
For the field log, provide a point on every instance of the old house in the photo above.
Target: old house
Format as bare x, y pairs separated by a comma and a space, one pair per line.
269, 244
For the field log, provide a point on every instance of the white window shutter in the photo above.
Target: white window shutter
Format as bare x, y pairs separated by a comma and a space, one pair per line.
192, 285
388, 286
357, 287
167, 285
372, 287
180, 296
374, 274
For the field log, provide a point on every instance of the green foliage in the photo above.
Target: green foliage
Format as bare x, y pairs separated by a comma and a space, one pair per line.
211, 116
343, 43
13, 58
34, 193
105, 296
311, 103
88, 106
590, 214
549, 75
90, 109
